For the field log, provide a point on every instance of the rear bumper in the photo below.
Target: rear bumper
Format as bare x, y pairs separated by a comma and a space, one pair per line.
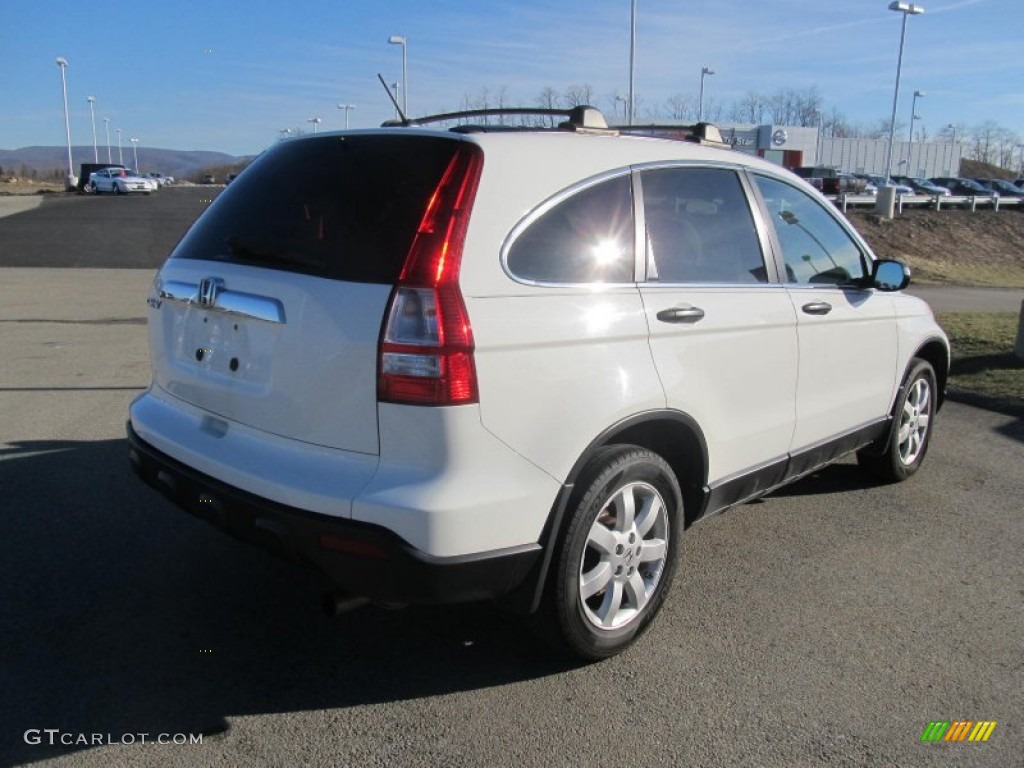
356, 557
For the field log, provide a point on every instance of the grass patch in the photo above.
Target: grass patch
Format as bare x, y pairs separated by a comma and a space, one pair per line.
983, 360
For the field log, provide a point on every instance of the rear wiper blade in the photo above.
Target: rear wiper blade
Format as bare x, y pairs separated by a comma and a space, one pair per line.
250, 252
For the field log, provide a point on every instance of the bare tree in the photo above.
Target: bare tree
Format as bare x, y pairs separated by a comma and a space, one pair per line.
547, 99
752, 108
679, 107
579, 95
985, 142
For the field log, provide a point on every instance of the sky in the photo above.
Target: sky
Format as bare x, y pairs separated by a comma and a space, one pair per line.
229, 76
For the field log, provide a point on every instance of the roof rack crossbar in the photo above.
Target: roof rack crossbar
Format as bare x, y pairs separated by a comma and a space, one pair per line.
700, 133
578, 117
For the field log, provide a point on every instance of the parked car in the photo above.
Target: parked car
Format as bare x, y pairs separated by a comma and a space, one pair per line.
87, 169
922, 186
120, 181
881, 181
450, 365
963, 187
209, 178
830, 181
160, 179
1001, 187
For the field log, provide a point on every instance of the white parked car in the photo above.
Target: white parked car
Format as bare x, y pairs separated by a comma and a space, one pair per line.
120, 181
448, 365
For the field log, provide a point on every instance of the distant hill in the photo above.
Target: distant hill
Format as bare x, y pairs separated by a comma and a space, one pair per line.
172, 162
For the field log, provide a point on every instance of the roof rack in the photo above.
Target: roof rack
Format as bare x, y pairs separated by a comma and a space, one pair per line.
706, 134
580, 118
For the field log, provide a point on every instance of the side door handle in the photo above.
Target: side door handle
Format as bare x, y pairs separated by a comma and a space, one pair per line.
817, 308
681, 315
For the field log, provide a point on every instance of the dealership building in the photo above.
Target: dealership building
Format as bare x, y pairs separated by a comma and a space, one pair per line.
795, 146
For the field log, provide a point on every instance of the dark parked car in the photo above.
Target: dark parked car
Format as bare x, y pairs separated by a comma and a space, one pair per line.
957, 186
830, 181
1002, 186
922, 186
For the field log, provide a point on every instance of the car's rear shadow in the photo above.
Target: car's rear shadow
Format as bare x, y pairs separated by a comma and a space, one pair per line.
121, 614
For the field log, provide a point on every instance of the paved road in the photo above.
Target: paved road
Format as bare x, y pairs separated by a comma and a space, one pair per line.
109, 231
952, 298
826, 625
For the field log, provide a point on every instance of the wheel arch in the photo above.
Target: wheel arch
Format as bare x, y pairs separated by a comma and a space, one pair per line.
673, 435
936, 353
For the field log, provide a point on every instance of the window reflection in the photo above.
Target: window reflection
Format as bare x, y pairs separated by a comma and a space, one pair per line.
586, 238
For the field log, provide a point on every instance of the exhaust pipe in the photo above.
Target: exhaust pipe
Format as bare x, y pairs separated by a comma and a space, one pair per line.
337, 603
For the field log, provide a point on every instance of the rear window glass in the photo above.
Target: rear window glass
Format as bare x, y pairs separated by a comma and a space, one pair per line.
343, 207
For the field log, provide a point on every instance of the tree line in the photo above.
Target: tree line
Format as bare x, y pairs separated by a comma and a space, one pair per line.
986, 142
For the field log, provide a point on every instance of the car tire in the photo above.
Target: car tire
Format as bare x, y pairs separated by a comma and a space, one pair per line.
616, 557
911, 430
117, 189
92, 188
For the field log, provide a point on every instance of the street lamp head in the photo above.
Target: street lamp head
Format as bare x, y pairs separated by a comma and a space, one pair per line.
90, 99
919, 94
707, 71
910, 8
61, 61
397, 40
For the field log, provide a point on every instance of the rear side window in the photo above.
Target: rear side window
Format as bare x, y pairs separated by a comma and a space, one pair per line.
586, 238
343, 207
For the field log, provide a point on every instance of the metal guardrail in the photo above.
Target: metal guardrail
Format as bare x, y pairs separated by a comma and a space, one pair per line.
937, 202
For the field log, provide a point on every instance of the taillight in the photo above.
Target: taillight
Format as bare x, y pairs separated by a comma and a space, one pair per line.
426, 346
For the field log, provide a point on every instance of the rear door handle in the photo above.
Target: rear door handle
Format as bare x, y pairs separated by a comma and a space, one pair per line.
681, 315
817, 308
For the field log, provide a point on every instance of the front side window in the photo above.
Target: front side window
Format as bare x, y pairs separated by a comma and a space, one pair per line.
699, 228
586, 238
815, 247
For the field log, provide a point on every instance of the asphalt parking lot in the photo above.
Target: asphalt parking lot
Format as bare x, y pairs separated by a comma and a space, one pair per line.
825, 625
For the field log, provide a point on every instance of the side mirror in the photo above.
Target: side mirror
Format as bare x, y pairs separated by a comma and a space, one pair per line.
890, 275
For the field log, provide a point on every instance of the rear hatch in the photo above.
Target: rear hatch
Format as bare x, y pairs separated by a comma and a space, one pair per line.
269, 310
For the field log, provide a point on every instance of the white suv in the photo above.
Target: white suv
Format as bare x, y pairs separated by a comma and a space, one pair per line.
448, 365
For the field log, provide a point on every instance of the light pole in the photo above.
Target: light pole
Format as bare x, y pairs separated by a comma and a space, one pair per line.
284, 133
952, 133
625, 105
704, 71
395, 86
106, 125
120, 154
135, 152
63, 64
348, 108
631, 104
92, 112
402, 41
315, 121
910, 139
907, 9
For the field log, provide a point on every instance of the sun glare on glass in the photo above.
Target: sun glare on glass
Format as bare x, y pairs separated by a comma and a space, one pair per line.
605, 252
